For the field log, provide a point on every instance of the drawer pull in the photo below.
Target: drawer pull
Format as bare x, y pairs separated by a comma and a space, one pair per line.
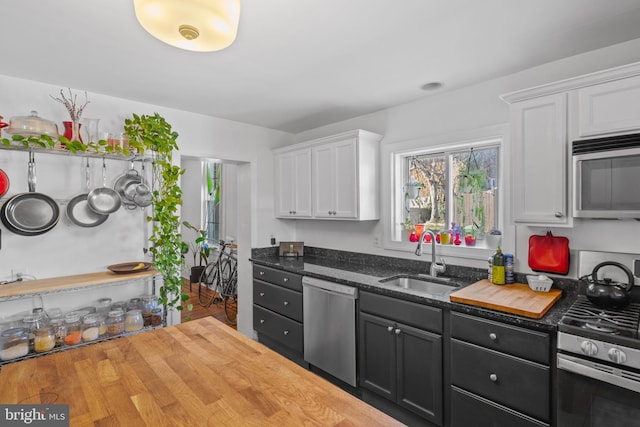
261, 321
286, 303
389, 328
286, 279
493, 336
494, 378
286, 332
261, 273
397, 331
261, 294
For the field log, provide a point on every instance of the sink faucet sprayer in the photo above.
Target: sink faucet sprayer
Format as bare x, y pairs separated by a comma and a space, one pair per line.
435, 266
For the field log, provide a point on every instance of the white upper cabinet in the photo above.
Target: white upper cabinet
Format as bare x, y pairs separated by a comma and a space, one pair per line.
544, 121
293, 184
612, 107
539, 161
343, 177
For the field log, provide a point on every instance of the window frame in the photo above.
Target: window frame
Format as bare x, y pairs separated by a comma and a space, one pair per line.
394, 155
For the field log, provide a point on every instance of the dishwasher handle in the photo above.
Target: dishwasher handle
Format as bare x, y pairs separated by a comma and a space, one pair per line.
335, 288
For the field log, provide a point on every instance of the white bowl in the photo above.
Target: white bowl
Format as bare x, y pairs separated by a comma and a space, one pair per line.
539, 283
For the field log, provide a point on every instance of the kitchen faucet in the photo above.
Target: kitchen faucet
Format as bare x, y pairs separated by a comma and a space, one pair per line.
435, 266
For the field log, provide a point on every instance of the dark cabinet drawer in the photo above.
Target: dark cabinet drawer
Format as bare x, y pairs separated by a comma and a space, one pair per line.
281, 300
470, 410
509, 339
278, 277
410, 313
516, 383
279, 328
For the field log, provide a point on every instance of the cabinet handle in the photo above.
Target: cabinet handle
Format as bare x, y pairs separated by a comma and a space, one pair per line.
334, 212
261, 321
286, 279
389, 328
329, 212
494, 378
397, 331
261, 294
493, 336
261, 273
294, 212
286, 332
558, 214
286, 303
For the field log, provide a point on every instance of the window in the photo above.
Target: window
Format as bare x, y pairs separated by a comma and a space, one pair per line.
214, 184
452, 187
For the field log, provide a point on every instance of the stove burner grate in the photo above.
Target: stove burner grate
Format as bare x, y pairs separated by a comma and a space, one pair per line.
583, 313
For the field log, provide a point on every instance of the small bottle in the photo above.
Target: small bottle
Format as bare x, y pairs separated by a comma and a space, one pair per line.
115, 323
59, 330
497, 271
508, 268
74, 329
90, 331
490, 270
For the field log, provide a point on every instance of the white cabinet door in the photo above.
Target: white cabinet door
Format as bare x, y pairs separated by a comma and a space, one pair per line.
335, 180
293, 184
539, 161
610, 107
324, 181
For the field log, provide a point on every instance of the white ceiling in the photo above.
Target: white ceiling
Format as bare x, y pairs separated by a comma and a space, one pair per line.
300, 64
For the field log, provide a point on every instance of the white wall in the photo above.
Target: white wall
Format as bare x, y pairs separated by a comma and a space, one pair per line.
68, 249
465, 110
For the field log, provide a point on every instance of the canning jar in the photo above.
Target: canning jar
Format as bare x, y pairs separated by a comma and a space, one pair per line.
156, 316
119, 305
44, 339
134, 304
14, 343
133, 321
90, 330
102, 324
115, 323
103, 306
74, 329
59, 330
31, 322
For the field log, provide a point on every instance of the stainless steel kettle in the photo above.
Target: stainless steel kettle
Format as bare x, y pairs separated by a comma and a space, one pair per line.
606, 293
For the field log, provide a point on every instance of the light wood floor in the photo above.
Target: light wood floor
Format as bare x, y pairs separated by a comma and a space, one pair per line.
198, 311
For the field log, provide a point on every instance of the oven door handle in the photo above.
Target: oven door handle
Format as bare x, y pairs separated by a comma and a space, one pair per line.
618, 377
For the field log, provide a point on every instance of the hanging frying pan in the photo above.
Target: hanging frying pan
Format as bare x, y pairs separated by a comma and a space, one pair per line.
78, 210
32, 213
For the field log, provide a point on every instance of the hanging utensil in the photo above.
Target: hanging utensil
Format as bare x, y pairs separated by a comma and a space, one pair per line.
104, 200
143, 196
32, 213
78, 210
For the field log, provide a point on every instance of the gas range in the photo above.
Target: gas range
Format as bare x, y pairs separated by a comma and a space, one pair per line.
609, 335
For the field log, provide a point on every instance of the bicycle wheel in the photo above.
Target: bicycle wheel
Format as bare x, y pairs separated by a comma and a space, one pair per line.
208, 289
231, 299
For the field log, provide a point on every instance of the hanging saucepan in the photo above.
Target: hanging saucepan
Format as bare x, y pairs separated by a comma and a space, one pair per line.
78, 210
32, 213
104, 200
142, 196
129, 179
604, 292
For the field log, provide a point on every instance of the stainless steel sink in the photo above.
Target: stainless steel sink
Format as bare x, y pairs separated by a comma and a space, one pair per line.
432, 286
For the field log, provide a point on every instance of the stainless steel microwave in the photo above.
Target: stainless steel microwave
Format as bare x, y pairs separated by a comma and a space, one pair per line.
606, 177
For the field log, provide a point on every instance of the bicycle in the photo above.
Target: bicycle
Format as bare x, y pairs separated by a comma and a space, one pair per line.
219, 282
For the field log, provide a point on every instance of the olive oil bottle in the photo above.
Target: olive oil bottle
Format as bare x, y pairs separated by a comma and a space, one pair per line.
497, 269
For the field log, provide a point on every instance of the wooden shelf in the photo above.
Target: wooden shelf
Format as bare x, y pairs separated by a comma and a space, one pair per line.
58, 284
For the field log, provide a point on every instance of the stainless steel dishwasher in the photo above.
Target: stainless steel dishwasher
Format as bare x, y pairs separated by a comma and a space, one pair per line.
329, 328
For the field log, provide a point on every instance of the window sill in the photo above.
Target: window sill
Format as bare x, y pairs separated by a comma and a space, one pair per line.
477, 252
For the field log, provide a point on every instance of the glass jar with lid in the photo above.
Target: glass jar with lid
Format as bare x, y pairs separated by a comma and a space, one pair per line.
157, 314
74, 329
102, 325
103, 306
31, 322
14, 343
90, 331
115, 323
44, 339
119, 305
134, 304
59, 330
133, 321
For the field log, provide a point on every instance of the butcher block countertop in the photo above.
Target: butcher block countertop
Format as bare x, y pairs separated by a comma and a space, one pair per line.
199, 373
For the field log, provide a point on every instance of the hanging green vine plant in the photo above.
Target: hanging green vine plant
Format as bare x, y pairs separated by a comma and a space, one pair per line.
151, 133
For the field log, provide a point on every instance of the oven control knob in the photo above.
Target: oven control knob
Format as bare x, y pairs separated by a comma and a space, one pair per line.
589, 348
617, 356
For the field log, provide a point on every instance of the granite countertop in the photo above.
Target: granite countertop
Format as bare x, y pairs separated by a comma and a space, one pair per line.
365, 271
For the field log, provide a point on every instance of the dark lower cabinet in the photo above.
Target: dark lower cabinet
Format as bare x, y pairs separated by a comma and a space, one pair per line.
402, 363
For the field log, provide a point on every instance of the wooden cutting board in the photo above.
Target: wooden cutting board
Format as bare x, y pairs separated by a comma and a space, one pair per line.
515, 298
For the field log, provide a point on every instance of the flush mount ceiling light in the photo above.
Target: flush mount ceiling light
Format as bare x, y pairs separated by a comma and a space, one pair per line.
197, 25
